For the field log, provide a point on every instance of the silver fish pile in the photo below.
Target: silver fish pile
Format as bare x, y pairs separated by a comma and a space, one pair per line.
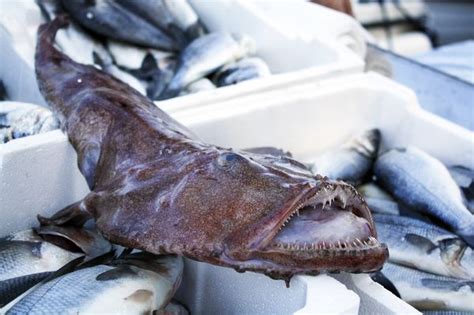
137, 283
163, 52
422, 211
28, 257
19, 120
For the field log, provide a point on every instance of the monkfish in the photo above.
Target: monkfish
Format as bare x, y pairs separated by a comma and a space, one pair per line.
155, 186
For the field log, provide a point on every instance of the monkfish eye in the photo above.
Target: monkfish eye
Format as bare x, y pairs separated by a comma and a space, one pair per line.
228, 159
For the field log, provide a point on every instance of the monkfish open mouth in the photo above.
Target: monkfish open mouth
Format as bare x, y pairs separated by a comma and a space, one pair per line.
330, 230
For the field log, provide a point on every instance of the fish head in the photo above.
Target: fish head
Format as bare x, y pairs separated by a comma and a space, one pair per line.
270, 214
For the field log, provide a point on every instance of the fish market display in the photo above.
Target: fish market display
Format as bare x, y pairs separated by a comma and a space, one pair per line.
184, 59
19, 120
155, 187
352, 161
204, 56
242, 70
424, 246
425, 185
431, 292
28, 257
135, 284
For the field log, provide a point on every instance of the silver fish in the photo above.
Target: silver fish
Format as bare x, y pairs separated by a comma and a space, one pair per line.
104, 60
242, 70
132, 57
464, 177
424, 246
200, 85
423, 183
174, 308
204, 56
108, 18
352, 161
138, 284
19, 120
28, 257
176, 17
378, 200
431, 292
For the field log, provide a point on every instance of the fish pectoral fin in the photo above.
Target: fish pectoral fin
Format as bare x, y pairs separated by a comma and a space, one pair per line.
420, 242
140, 296
116, 273
452, 250
88, 159
75, 215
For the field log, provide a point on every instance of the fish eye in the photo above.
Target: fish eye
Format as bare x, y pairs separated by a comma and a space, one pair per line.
227, 159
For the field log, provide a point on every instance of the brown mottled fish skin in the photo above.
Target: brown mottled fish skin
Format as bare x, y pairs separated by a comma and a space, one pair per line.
156, 187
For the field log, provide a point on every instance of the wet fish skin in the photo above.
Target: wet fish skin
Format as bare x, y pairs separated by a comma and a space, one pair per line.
200, 85
424, 246
242, 70
174, 308
205, 55
118, 289
464, 177
107, 18
423, 183
352, 161
426, 291
22, 119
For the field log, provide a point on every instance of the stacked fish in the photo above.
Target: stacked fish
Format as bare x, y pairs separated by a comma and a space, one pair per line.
160, 48
422, 211
57, 270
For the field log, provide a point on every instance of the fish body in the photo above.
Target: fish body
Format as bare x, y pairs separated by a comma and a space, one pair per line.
155, 186
426, 247
431, 292
464, 177
19, 120
200, 85
352, 161
205, 55
108, 18
136, 288
242, 70
424, 184
25, 260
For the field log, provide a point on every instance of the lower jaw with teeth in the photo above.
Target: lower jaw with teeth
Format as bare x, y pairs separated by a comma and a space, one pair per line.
322, 238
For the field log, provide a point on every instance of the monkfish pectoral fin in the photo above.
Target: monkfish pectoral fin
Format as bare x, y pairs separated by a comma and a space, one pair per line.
88, 160
75, 215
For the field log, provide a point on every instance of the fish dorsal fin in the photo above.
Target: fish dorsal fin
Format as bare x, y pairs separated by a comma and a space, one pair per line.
140, 296
420, 242
116, 273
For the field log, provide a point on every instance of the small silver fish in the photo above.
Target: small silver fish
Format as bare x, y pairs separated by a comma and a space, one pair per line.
423, 183
200, 85
19, 120
138, 284
242, 70
424, 246
352, 161
426, 291
204, 56
28, 257
104, 60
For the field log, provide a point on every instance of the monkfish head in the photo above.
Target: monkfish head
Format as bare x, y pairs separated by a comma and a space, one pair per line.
270, 214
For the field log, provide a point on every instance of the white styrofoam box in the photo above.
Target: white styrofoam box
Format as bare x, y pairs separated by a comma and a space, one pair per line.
208, 289
310, 21
18, 23
292, 57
